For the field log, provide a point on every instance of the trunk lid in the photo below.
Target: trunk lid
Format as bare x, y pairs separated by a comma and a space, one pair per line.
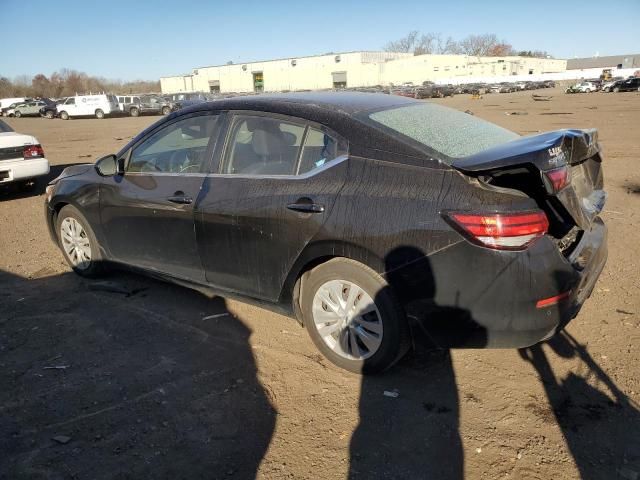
523, 163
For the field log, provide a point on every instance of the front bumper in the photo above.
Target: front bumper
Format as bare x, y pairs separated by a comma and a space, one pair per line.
22, 169
477, 297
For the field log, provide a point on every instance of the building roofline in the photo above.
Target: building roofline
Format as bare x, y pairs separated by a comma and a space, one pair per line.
293, 57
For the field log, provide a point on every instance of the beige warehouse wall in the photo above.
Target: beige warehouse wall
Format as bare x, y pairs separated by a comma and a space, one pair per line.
362, 69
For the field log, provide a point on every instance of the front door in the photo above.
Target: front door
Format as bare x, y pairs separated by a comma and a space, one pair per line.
275, 189
148, 213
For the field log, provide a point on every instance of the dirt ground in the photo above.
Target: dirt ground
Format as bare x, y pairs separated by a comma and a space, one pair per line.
161, 382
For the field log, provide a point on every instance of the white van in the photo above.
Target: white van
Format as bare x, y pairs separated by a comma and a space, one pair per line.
99, 106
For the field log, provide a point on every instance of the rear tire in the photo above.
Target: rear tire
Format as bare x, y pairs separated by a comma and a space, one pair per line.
616, 90
64, 115
370, 331
134, 112
166, 110
99, 114
78, 242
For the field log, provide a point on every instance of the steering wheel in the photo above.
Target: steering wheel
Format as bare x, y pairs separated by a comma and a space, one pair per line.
193, 166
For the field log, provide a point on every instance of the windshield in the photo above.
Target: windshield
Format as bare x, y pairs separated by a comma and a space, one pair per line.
447, 131
4, 128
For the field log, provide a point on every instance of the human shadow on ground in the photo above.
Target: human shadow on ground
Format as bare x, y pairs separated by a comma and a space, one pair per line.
600, 423
409, 416
134, 379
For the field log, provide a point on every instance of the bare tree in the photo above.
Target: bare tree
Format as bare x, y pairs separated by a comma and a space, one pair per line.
69, 82
421, 44
479, 45
406, 44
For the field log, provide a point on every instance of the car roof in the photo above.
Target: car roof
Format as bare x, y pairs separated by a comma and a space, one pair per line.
348, 103
335, 110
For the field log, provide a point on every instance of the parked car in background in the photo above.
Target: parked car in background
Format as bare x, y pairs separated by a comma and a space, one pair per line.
186, 99
582, 87
49, 110
28, 109
330, 207
549, 84
404, 92
608, 85
503, 87
628, 85
21, 157
7, 103
136, 105
99, 105
442, 91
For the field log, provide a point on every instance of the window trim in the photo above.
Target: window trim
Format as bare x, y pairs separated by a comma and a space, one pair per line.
211, 146
232, 115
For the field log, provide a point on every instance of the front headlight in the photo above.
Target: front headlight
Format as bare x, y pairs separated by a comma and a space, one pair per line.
48, 192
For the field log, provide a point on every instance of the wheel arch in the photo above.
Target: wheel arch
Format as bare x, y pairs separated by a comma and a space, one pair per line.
315, 254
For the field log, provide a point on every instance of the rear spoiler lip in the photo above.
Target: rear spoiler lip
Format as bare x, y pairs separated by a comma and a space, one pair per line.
546, 151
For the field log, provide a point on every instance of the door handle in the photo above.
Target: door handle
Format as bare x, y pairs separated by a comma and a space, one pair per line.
306, 207
181, 199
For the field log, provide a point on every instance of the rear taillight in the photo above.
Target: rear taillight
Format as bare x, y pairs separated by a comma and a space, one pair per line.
501, 231
33, 151
557, 179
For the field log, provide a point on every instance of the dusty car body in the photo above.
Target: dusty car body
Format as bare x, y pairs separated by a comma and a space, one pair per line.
484, 239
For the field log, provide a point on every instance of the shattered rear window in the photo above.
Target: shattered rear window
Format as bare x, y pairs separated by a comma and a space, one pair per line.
450, 132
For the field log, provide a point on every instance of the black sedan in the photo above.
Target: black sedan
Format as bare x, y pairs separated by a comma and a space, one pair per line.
628, 85
358, 214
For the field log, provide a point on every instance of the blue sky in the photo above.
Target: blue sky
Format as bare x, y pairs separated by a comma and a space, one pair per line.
139, 39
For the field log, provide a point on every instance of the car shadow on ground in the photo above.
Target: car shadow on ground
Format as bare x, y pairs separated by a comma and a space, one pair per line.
126, 378
17, 190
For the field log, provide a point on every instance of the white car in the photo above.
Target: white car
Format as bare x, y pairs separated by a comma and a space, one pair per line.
99, 105
21, 157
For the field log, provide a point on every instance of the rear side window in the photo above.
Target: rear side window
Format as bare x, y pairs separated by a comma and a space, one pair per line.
450, 132
263, 146
319, 148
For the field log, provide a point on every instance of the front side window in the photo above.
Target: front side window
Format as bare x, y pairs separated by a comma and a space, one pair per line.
70, 101
177, 148
263, 146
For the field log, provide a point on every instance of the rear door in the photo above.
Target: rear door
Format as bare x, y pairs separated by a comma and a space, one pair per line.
277, 182
148, 213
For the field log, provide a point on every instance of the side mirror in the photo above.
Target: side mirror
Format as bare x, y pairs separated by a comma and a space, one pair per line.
108, 166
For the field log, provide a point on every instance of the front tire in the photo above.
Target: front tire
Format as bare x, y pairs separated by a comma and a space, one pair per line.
616, 90
78, 242
99, 114
134, 112
353, 317
166, 110
64, 115
18, 114
49, 114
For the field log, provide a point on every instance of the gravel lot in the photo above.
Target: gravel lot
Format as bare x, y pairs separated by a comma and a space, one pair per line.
163, 382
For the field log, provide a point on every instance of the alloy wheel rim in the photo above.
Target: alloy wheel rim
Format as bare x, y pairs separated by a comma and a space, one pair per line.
347, 319
75, 243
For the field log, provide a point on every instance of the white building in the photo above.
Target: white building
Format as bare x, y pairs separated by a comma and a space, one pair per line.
353, 69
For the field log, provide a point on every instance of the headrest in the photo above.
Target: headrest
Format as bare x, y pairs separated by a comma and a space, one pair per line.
267, 143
